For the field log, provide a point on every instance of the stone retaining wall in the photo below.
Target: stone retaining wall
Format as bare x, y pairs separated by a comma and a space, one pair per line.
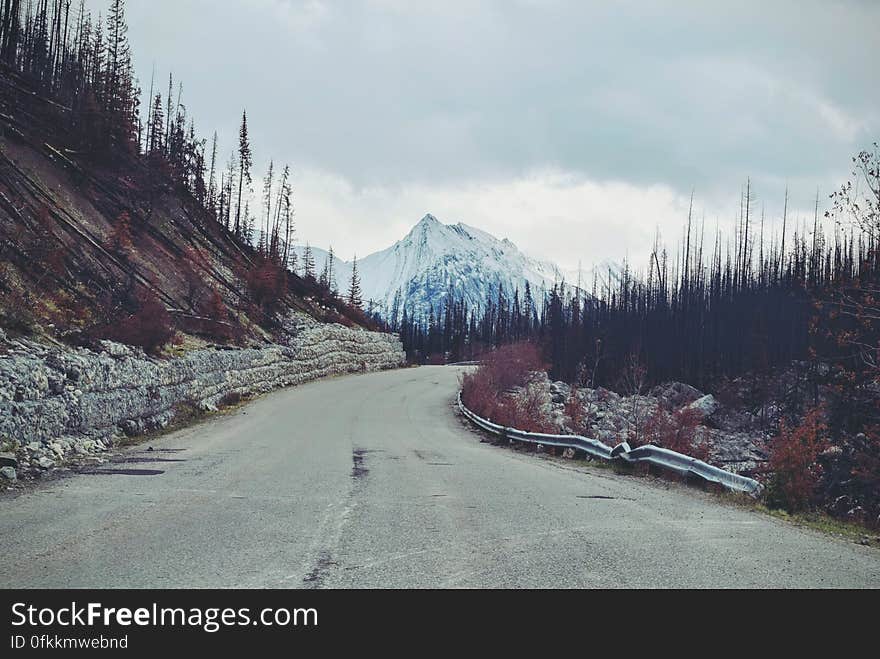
55, 401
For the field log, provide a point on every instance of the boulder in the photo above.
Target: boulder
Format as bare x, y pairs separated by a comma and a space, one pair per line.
675, 395
706, 406
8, 460
8, 473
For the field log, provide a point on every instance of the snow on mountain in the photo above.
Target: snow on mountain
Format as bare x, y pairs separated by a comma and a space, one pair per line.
436, 259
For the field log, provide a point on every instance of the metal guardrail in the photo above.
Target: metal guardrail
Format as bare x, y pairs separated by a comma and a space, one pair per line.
655, 455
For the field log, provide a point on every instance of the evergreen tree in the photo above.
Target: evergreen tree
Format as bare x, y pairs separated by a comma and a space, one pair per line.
354, 288
157, 119
245, 162
308, 263
330, 275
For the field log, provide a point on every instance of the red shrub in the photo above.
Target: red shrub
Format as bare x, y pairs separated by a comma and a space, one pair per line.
529, 412
148, 327
223, 326
575, 412
676, 431
793, 462
120, 235
266, 282
507, 367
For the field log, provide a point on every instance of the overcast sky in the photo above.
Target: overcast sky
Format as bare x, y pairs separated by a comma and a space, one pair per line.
573, 128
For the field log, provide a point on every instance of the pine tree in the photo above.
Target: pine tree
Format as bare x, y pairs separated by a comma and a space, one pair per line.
329, 277
154, 141
284, 218
308, 263
354, 288
247, 225
528, 311
118, 57
245, 162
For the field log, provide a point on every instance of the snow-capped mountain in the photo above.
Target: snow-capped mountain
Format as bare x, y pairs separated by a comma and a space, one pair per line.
435, 260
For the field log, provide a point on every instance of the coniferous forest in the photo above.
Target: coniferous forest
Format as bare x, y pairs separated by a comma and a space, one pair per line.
710, 308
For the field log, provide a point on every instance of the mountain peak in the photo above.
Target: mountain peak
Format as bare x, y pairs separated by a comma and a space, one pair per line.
436, 260
428, 230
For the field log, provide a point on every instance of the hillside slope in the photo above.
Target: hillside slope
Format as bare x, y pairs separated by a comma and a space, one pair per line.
89, 241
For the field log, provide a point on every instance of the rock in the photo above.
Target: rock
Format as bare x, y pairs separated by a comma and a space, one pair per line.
131, 427
832, 452
675, 395
560, 387
57, 385
706, 406
557, 398
568, 453
116, 350
8, 460
8, 473
45, 463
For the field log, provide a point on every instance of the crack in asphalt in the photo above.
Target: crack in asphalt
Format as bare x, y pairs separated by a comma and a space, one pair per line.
325, 562
358, 470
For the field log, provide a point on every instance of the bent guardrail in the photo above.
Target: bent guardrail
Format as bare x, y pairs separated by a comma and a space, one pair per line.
655, 455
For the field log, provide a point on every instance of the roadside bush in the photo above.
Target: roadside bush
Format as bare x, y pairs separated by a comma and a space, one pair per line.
794, 468
222, 325
267, 283
120, 240
147, 326
574, 410
676, 431
486, 390
528, 411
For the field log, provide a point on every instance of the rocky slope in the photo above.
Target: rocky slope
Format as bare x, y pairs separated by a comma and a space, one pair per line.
57, 402
86, 239
731, 437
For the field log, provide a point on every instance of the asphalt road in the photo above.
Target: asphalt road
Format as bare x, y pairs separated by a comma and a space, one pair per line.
373, 481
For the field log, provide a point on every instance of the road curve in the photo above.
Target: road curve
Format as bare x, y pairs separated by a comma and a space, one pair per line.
373, 481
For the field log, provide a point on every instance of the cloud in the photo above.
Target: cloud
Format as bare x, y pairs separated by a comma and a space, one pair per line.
569, 116
551, 214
